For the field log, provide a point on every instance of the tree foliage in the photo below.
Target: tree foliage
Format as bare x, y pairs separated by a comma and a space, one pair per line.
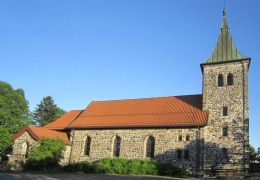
46, 154
253, 154
13, 108
5, 142
14, 114
47, 111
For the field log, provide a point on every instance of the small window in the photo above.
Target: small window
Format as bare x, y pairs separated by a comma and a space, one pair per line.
27, 150
150, 147
186, 154
230, 79
220, 80
117, 143
180, 137
225, 111
87, 146
187, 137
225, 131
179, 154
225, 153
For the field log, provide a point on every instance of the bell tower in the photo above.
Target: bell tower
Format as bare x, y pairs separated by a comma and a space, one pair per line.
225, 97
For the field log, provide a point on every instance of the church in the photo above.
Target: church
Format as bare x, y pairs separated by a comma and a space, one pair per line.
203, 133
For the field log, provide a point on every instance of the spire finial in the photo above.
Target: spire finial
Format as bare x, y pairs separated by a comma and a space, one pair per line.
224, 19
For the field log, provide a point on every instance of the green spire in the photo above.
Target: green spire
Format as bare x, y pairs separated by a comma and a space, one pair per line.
225, 49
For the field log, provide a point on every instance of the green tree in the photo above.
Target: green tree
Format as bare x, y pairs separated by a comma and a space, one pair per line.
47, 111
5, 142
252, 153
13, 108
14, 114
46, 154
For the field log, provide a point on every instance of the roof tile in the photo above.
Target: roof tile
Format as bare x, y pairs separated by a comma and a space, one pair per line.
62, 122
147, 112
38, 133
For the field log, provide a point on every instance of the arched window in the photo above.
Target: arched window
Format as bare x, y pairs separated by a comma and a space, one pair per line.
220, 80
180, 138
230, 79
187, 137
150, 147
116, 149
87, 146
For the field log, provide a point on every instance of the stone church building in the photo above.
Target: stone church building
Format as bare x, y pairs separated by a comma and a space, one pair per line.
204, 133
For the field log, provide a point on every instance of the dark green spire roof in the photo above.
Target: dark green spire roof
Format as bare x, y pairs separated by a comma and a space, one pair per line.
225, 49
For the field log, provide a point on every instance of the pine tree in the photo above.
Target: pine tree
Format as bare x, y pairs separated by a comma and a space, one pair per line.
47, 111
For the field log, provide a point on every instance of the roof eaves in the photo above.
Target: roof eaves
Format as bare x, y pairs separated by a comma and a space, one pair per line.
224, 62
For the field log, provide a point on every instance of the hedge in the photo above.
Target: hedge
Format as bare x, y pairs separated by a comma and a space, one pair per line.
126, 166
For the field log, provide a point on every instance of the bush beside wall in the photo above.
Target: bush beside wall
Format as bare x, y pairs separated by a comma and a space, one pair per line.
126, 166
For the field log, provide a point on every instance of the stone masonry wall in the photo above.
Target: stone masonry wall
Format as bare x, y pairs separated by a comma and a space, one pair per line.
235, 97
20, 147
23, 144
133, 144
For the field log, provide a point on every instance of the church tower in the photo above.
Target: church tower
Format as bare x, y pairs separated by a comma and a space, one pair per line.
225, 97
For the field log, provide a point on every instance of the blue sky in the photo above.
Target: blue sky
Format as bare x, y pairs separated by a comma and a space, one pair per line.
80, 50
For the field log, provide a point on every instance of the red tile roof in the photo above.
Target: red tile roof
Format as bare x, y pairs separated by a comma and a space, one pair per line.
147, 112
62, 122
38, 133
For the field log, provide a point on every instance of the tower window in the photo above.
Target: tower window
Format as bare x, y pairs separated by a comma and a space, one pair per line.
150, 147
117, 143
225, 111
179, 152
87, 146
225, 131
220, 80
230, 79
187, 137
186, 154
180, 137
225, 153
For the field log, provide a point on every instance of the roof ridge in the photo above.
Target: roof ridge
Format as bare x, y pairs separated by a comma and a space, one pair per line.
133, 99
192, 112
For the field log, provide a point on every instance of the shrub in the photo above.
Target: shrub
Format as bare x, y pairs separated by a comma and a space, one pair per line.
171, 170
134, 166
150, 167
85, 166
126, 166
46, 154
119, 165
